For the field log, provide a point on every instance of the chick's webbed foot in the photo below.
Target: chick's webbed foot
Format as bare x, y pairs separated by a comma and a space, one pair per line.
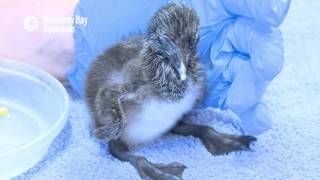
153, 171
219, 143
146, 169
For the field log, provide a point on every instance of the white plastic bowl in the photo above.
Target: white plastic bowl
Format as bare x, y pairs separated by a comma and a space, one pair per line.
38, 105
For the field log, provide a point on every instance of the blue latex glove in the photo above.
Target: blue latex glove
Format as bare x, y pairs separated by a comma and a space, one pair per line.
240, 47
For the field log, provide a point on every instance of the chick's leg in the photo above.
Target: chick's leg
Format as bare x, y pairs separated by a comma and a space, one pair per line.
216, 143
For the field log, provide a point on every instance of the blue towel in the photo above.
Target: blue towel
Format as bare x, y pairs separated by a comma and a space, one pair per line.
240, 47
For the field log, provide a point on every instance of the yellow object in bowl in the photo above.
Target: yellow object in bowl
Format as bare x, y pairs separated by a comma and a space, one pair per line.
4, 111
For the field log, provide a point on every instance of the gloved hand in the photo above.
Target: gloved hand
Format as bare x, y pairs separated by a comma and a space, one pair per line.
240, 47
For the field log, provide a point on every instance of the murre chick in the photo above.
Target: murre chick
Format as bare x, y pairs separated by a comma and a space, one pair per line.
143, 87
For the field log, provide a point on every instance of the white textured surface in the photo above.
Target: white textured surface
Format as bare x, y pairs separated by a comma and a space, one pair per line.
289, 151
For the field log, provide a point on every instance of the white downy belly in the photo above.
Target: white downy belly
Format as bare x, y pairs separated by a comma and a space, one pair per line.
157, 117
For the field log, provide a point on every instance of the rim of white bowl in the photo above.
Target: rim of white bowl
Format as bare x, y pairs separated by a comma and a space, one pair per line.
61, 119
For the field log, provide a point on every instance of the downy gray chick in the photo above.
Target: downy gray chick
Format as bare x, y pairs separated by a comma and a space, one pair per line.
141, 88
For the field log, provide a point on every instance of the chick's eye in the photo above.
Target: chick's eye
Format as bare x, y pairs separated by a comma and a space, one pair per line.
165, 53
192, 49
163, 41
170, 51
193, 44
